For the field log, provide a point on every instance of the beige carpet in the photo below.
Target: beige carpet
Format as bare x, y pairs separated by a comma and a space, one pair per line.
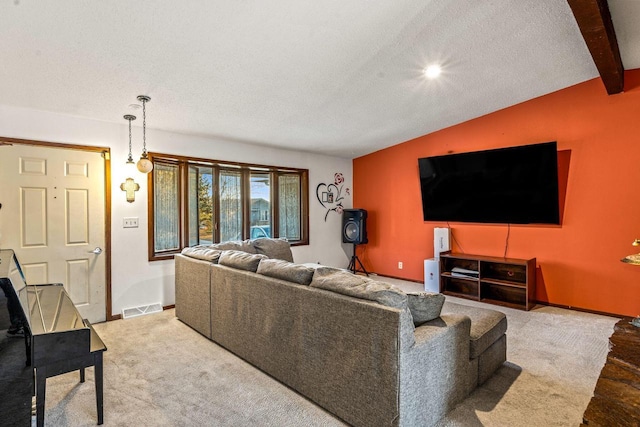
159, 372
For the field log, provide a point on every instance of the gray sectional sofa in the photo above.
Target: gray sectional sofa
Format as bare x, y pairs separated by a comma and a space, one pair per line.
362, 349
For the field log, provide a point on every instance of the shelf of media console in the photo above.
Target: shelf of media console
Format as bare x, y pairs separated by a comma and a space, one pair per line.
504, 283
484, 280
459, 276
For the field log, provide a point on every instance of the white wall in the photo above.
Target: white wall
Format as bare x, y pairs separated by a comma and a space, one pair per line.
135, 280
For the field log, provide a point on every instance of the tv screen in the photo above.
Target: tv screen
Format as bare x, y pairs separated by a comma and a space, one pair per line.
515, 185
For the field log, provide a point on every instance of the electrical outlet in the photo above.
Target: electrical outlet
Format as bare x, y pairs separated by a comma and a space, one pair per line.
131, 222
399, 265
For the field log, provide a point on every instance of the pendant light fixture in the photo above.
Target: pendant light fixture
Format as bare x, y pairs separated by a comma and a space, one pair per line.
129, 185
130, 118
144, 164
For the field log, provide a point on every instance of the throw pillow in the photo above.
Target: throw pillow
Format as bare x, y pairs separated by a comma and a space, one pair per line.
424, 306
285, 270
202, 252
240, 260
273, 248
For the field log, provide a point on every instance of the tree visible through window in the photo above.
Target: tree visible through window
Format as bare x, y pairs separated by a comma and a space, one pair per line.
201, 221
205, 207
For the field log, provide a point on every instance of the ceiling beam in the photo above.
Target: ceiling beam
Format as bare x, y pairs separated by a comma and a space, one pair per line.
595, 24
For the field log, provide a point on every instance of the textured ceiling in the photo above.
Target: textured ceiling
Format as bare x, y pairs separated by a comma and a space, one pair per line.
336, 77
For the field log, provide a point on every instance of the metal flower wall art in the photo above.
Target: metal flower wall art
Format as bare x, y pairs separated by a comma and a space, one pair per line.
330, 195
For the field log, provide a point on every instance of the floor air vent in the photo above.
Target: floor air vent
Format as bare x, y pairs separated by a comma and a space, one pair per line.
141, 310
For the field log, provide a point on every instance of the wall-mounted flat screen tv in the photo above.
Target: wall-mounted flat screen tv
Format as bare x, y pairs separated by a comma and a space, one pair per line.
515, 185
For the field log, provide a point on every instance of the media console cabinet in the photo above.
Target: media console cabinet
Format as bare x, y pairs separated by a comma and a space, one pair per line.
509, 282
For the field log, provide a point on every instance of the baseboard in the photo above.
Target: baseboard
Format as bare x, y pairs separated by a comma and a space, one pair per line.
119, 316
397, 278
584, 310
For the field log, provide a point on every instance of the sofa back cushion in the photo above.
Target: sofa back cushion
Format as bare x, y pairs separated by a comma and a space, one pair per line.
238, 245
323, 270
424, 306
347, 283
337, 351
204, 253
285, 270
273, 248
241, 260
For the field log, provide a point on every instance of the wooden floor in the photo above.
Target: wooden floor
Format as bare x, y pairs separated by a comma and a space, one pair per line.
616, 400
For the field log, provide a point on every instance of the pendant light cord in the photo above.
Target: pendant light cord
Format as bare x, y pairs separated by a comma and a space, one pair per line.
129, 118
130, 157
144, 128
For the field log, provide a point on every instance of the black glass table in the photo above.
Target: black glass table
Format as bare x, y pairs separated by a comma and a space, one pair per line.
57, 339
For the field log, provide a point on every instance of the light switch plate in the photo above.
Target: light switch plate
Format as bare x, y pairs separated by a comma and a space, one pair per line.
131, 222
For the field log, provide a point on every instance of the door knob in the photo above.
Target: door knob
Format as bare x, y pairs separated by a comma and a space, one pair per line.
97, 251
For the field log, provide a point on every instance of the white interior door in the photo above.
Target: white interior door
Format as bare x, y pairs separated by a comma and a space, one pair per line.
53, 217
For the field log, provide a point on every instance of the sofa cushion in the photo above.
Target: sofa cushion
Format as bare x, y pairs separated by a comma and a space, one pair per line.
273, 248
346, 283
323, 270
330, 278
204, 253
237, 245
241, 260
424, 306
487, 326
285, 270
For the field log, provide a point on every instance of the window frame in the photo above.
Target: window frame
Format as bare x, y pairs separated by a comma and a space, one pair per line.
183, 163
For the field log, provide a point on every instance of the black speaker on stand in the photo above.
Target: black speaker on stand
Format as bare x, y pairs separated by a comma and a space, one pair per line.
354, 230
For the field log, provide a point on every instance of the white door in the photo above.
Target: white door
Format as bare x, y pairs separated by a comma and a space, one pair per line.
53, 217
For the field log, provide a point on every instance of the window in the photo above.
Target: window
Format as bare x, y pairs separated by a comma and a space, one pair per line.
199, 201
166, 204
260, 205
290, 211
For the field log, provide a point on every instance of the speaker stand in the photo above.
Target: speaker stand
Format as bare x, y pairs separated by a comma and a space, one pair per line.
355, 260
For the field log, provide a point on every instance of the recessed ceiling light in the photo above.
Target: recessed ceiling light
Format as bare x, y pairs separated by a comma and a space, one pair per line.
432, 71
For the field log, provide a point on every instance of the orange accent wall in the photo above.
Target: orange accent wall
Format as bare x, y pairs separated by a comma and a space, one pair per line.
579, 261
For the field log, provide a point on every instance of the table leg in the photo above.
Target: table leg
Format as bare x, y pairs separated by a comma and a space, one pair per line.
99, 385
81, 375
41, 388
